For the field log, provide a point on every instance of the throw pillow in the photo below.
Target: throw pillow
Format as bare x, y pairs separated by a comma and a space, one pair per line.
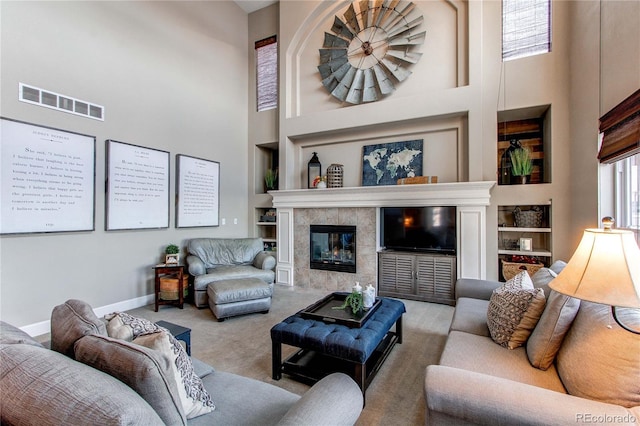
160, 342
124, 325
542, 278
600, 360
546, 338
71, 321
43, 387
143, 370
514, 310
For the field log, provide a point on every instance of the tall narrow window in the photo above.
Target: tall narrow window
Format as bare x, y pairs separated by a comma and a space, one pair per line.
526, 28
267, 73
627, 190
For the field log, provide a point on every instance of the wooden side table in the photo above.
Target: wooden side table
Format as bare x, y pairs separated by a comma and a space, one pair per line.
163, 270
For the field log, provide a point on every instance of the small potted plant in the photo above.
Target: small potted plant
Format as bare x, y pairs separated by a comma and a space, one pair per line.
172, 253
270, 178
521, 163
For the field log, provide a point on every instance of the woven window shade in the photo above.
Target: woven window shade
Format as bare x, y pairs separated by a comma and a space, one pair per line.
621, 130
267, 73
526, 28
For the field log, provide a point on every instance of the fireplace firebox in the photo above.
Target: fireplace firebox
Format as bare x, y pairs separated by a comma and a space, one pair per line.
333, 248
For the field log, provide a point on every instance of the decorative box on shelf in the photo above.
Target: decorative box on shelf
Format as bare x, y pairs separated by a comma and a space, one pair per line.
511, 269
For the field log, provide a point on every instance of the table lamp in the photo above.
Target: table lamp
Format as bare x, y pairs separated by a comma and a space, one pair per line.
605, 268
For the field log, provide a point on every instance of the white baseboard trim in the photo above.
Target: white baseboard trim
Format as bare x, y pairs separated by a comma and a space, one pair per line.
44, 327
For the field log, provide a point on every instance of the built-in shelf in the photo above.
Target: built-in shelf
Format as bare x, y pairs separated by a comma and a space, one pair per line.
513, 240
516, 229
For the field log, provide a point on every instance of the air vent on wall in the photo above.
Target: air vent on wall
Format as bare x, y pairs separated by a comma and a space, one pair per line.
49, 99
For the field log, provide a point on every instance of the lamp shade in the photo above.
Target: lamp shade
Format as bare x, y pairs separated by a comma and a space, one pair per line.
605, 268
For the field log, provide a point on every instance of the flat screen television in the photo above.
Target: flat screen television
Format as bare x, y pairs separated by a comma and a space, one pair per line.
427, 229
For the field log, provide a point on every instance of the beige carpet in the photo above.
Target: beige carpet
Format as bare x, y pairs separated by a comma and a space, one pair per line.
242, 345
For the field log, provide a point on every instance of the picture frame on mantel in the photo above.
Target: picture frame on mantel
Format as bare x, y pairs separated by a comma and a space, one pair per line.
386, 163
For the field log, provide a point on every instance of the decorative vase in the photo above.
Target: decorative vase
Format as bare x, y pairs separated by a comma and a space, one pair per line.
523, 179
321, 185
334, 176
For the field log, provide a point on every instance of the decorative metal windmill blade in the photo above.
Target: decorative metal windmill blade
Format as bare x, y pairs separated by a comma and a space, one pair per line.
342, 89
351, 19
408, 39
331, 81
397, 69
402, 12
355, 91
389, 13
384, 82
369, 93
405, 55
341, 29
405, 26
328, 55
331, 67
363, 5
331, 40
376, 12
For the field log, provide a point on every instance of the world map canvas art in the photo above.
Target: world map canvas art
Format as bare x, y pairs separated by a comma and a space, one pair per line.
385, 163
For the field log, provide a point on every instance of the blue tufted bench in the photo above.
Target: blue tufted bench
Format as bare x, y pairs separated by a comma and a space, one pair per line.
339, 347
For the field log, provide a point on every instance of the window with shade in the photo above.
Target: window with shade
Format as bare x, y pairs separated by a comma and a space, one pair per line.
267, 73
620, 132
526, 28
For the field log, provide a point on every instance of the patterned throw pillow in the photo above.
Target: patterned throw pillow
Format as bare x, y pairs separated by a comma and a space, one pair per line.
514, 311
195, 398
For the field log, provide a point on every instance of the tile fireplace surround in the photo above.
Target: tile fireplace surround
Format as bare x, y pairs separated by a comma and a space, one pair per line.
359, 206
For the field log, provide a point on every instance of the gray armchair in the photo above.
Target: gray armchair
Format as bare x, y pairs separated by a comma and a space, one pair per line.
218, 259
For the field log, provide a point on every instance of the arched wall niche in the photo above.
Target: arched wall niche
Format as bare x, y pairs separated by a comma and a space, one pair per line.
444, 64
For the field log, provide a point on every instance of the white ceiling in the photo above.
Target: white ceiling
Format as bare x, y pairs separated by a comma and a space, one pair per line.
253, 5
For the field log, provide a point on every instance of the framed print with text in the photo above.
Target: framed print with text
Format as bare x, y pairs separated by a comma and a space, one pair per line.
197, 192
137, 187
47, 179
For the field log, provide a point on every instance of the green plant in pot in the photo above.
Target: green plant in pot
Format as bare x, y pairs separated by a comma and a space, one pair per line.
521, 163
172, 253
353, 301
270, 178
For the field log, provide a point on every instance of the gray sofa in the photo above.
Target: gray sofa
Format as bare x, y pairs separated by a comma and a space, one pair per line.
218, 259
41, 386
593, 377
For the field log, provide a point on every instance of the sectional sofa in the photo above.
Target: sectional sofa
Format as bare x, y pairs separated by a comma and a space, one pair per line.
577, 367
92, 377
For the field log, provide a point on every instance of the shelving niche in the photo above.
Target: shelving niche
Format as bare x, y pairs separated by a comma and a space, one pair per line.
510, 235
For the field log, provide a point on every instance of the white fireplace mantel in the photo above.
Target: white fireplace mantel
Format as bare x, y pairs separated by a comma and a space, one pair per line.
470, 198
439, 194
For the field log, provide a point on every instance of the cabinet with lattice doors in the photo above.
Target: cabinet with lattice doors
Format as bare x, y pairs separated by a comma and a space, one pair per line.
417, 276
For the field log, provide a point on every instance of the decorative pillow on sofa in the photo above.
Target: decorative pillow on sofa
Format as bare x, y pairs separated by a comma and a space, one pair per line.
161, 342
198, 401
546, 338
514, 310
600, 360
143, 370
71, 321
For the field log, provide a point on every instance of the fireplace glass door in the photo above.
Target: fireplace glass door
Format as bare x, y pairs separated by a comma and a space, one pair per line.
333, 248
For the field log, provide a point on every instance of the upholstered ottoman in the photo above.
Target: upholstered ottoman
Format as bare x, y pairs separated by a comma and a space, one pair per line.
228, 298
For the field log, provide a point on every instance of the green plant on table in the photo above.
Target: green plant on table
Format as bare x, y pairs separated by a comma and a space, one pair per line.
353, 301
172, 249
521, 162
